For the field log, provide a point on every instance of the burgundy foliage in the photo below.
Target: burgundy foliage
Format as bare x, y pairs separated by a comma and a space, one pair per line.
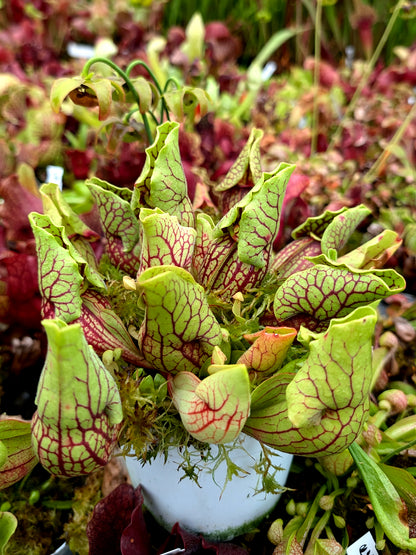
118, 527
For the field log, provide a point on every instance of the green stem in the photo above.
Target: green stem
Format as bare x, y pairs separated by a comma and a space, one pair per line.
303, 530
164, 108
315, 113
370, 66
317, 531
124, 75
378, 165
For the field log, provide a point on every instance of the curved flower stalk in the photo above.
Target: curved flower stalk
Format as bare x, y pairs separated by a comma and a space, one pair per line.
92, 90
320, 408
17, 457
79, 415
179, 331
215, 409
239, 254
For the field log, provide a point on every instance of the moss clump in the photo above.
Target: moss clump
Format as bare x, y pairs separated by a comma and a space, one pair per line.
84, 500
41, 503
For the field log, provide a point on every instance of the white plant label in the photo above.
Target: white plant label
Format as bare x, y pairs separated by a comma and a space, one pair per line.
78, 50
54, 174
363, 546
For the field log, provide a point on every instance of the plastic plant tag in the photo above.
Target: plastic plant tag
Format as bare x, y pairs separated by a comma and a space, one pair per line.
80, 50
54, 174
363, 546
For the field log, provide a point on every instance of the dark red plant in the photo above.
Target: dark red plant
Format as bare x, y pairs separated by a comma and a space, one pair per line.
119, 526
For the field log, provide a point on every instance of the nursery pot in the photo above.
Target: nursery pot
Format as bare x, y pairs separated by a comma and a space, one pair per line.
207, 507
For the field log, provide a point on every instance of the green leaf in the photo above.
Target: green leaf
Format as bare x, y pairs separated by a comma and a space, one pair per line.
3, 454
255, 218
184, 101
8, 525
336, 375
268, 350
238, 256
61, 214
165, 241
215, 409
341, 228
404, 483
204, 226
61, 89
246, 170
60, 279
328, 547
146, 93
320, 409
325, 291
78, 417
274, 42
315, 226
373, 253
63, 271
162, 183
120, 225
385, 500
18, 457
103, 90
179, 331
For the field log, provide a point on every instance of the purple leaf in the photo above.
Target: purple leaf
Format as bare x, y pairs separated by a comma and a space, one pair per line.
104, 329
135, 539
111, 516
293, 257
193, 544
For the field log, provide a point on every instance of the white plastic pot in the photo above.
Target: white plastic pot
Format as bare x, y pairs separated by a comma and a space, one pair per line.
210, 510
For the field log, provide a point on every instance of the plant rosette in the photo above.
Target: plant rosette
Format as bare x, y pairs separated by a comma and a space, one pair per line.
190, 332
